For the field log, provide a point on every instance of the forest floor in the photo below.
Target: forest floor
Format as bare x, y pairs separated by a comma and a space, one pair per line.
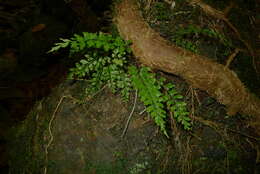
217, 142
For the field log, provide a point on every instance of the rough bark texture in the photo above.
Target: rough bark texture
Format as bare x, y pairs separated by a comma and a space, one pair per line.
154, 51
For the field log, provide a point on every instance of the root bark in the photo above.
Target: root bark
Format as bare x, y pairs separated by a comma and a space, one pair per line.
200, 72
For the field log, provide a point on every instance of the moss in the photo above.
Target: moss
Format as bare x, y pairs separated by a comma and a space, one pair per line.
26, 146
102, 167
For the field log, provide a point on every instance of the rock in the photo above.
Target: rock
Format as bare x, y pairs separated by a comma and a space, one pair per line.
62, 136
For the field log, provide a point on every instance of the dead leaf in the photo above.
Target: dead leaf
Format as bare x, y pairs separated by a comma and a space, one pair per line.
38, 27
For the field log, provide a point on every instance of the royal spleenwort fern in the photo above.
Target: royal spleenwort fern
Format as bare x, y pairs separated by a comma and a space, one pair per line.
150, 94
105, 58
89, 41
159, 98
176, 105
105, 62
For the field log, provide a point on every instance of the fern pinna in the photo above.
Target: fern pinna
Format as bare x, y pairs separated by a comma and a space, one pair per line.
150, 94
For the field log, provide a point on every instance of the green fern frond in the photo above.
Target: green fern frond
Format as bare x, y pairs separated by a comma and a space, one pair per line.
177, 106
144, 81
104, 62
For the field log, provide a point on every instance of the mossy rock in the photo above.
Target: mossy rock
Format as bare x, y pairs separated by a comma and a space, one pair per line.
85, 136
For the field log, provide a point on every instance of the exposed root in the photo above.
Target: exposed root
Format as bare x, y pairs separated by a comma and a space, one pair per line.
220, 15
130, 116
183, 150
185, 159
218, 127
53, 117
92, 96
165, 162
231, 57
176, 134
154, 51
50, 133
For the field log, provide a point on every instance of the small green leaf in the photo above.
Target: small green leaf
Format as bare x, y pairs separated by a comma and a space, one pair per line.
56, 48
118, 62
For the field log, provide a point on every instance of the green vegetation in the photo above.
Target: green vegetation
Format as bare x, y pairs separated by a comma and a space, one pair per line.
106, 63
176, 105
115, 167
157, 95
181, 36
104, 60
139, 168
162, 11
26, 134
149, 90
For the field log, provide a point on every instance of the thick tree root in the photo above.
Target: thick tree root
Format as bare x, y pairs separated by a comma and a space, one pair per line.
154, 51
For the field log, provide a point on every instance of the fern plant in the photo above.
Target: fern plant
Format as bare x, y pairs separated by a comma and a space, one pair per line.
176, 105
89, 41
105, 62
159, 98
150, 94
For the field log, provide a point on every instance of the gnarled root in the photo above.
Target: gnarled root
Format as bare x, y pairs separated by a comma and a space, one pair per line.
154, 51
